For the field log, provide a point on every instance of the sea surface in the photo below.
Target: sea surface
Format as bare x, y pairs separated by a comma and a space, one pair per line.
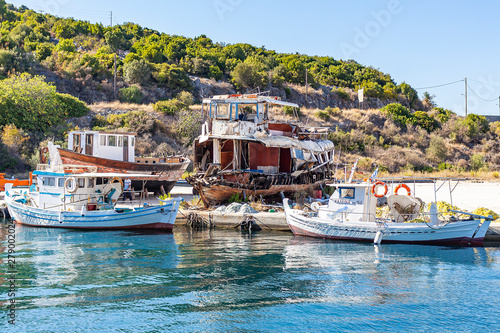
229, 281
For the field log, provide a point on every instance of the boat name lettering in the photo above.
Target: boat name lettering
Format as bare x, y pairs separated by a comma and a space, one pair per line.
344, 201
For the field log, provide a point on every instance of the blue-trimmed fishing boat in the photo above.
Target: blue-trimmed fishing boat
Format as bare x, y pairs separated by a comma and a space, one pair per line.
76, 197
350, 214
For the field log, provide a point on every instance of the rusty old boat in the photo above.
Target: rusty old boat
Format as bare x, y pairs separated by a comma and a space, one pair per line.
242, 152
115, 152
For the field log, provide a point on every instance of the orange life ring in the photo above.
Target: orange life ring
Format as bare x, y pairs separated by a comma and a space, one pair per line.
374, 192
408, 191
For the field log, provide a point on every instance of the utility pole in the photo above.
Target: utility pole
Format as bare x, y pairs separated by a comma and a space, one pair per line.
307, 102
111, 18
114, 80
466, 97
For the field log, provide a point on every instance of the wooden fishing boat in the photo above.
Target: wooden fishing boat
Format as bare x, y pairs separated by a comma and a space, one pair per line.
351, 215
76, 198
115, 152
242, 152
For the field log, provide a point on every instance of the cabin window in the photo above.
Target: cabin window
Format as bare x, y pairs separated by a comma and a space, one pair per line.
112, 140
76, 140
91, 183
120, 141
347, 193
99, 181
49, 181
103, 140
60, 182
223, 111
81, 182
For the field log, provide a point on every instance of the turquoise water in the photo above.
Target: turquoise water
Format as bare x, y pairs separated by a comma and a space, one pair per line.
227, 281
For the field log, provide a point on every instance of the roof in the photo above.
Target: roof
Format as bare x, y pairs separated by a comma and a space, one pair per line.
103, 132
253, 99
94, 174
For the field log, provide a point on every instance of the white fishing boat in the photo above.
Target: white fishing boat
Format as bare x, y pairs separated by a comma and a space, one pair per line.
350, 214
75, 197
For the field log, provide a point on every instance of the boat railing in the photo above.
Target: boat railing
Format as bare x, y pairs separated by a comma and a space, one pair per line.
97, 201
432, 220
67, 168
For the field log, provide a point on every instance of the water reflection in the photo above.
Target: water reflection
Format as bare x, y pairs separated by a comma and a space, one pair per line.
224, 280
361, 273
60, 266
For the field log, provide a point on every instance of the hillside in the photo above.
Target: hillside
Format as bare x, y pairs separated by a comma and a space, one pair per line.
160, 78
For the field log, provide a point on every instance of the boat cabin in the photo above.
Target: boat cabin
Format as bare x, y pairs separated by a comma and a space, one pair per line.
67, 188
355, 199
119, 146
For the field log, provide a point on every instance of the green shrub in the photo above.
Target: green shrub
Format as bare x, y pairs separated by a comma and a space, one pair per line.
172, 76
476, 125
398, 113
422, 119
43, 50
137, 71
189, 124
130, 94
372, 89
332, 111
67, 45
323, 115
169, 107
32, 104
437, 149
185, 97
73, 107
477, 162
342, 94
444, 166
236, 197
215, 73
288, 92
354, 140
443, 115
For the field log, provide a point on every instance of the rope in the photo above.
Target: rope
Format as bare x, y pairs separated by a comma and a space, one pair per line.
198, 222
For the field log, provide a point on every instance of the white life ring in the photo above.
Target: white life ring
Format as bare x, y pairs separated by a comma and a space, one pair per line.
70, 184
315, 206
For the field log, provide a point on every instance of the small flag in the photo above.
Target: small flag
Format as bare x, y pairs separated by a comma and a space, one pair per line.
374, 175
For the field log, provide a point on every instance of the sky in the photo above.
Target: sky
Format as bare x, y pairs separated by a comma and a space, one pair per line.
431, 45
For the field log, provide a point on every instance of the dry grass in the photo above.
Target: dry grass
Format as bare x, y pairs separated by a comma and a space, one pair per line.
119, 106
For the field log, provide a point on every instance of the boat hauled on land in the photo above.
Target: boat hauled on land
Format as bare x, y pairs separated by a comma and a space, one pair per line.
241, 151
115, 152
67, 196
351, 215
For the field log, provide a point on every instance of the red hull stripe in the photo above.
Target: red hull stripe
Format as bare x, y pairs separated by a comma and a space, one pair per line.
156, 226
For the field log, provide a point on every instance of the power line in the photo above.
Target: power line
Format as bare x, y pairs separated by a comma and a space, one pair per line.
441, 85
486, 100
486, 84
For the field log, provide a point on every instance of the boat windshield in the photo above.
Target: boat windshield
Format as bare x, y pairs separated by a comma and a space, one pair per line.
347, 193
